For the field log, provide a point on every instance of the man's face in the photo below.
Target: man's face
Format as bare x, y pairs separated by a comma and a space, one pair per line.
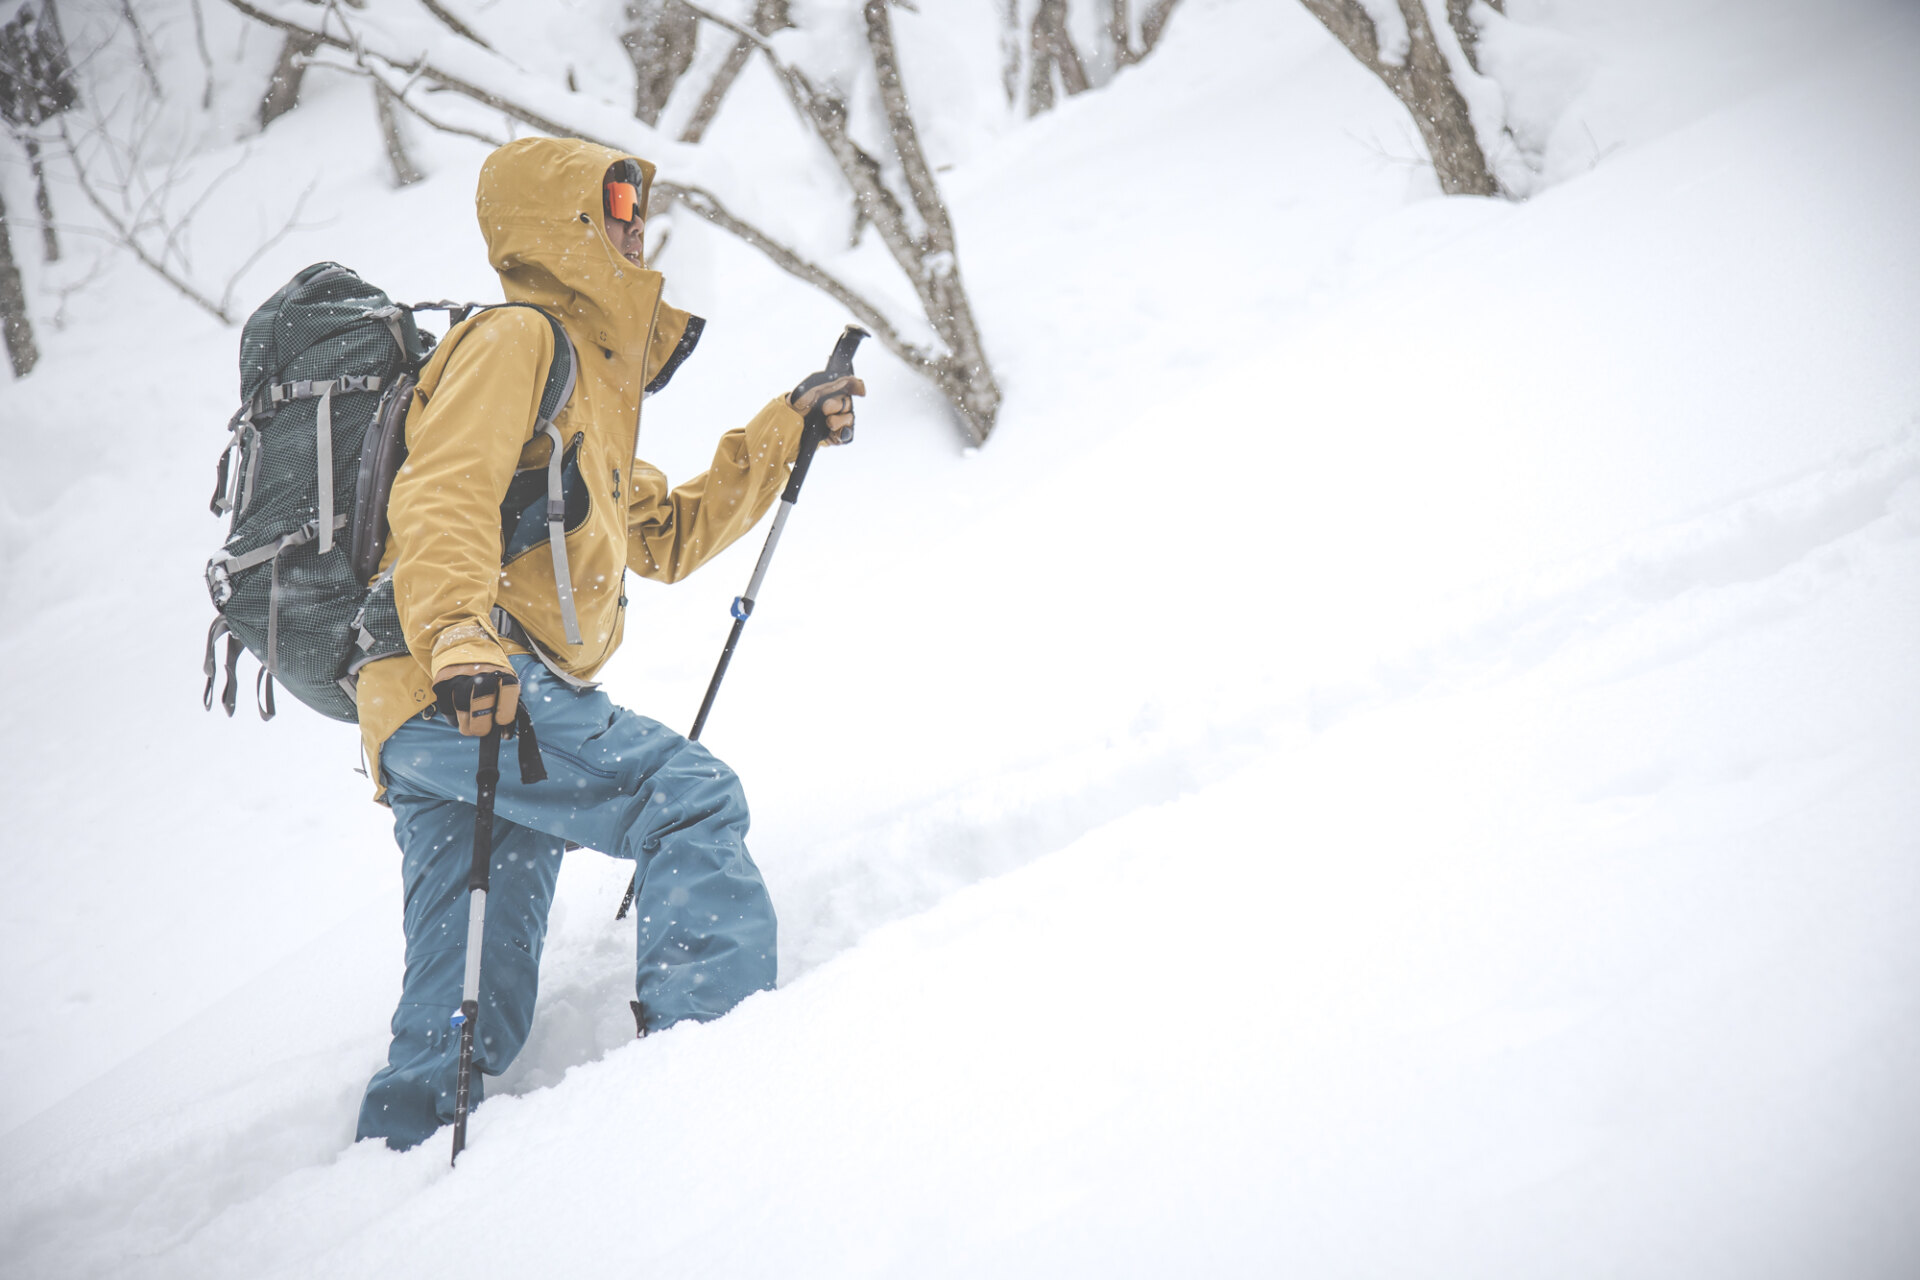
627, 238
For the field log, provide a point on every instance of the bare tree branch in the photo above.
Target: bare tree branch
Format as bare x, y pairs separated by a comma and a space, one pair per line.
700, 201
928, 257
142, 46
382, 74
66, 290
125, 234
421, 69
769, 16
206, 56
746, 34
961, 371
708, 206
405, 172
454, 24
261, 250
142, 217
709, 105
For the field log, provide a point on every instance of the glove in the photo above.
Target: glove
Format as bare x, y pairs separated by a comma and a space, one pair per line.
833, 397
478, 697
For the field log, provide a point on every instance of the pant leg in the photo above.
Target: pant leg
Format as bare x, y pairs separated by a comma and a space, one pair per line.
414, 1093
631, 787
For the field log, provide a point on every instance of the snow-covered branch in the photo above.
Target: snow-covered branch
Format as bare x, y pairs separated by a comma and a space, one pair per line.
408, 57
926, 254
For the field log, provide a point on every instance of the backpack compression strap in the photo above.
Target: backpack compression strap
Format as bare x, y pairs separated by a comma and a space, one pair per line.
222, 569
557, 537
281, 393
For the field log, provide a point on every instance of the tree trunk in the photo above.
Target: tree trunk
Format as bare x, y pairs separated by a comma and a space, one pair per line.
660, 44
1120, 33
1424, 86
1120, 30
43, 203
1052, 47
283, 89
18, 329
1154, 25
1464, 30
1010, 50
964, 373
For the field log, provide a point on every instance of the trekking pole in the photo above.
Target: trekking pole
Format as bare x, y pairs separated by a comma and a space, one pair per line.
839, 365
486, 779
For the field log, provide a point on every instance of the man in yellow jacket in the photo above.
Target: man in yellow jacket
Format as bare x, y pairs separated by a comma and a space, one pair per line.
495, 620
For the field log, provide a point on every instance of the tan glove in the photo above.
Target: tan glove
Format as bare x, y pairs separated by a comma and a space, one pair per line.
478, 696
834, 400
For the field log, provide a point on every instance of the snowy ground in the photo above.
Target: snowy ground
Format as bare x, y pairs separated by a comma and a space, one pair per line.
1397, 760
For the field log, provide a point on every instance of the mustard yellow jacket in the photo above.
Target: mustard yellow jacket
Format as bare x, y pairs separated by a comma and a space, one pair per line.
470, 428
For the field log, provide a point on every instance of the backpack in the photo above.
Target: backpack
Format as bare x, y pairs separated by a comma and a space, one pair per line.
327, 370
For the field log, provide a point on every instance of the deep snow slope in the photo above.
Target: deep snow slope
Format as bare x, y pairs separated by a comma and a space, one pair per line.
1397, 760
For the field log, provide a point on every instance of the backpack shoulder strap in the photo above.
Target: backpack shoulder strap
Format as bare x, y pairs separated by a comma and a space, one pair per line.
561, 373
561, 376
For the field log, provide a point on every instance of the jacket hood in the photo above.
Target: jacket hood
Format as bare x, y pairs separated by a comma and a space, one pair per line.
540, 208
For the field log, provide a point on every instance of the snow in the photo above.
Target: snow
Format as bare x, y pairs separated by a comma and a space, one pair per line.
1397, 759
1390, 33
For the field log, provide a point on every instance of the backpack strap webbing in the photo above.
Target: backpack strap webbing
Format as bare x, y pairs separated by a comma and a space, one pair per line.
561, 376
281, 393
510, 629
222, 569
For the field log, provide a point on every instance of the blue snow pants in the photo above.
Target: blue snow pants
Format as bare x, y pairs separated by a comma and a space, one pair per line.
616, 782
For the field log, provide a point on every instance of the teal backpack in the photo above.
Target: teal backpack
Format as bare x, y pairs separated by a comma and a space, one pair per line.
327, 371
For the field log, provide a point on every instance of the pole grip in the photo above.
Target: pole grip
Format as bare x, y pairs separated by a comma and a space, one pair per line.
486, 781
839, 365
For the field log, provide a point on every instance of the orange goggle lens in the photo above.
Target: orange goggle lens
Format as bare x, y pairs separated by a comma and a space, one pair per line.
622, 199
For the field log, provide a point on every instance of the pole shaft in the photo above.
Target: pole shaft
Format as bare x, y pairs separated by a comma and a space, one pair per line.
752, 592
719, 672
486, 780
839, 365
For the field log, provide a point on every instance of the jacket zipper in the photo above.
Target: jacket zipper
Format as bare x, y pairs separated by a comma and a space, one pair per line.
641, 405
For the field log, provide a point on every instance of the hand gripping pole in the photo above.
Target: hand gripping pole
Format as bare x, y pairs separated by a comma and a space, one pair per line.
839, 365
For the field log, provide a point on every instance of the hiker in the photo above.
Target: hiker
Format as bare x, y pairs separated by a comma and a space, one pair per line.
491, 628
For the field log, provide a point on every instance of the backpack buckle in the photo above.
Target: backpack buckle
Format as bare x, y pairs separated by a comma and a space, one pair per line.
219, 584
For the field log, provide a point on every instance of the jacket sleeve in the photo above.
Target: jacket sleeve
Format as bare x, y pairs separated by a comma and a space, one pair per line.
463, 444
672, 533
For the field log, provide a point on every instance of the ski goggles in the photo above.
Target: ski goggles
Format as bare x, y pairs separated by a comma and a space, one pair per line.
623, 198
